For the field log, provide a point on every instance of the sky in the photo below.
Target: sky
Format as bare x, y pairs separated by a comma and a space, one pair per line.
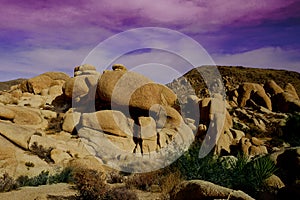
47, 35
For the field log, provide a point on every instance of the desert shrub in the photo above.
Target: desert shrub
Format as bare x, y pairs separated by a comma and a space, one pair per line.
65, 176
40, 179
42, 152
7, 183
168, 182
90, 184
114, 177
121, 193
55, 125
143, 181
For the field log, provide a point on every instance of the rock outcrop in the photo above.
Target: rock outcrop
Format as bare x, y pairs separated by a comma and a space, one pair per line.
125, 120
44, 81
198, 189
255, 92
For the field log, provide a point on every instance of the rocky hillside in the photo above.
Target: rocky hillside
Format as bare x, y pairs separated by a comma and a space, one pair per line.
234, 75
118, 120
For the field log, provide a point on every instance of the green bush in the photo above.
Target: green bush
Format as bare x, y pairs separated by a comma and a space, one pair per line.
40, 179
65, 176
239, 173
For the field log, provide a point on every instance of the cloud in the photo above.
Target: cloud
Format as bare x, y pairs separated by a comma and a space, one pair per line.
268, 57
20, 64
200, 15
39, 36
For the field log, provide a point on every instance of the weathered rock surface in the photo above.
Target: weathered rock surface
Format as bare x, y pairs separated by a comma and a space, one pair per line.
85, 69
110, 121
6, 113
133, 90
44, 81
289, 88
7, 98
17, 134
272, 88
13, 159
198, 189
71, 120
274, 182
255, 92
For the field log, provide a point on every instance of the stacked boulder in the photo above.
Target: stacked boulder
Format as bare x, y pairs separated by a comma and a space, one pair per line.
123, 108
284, 100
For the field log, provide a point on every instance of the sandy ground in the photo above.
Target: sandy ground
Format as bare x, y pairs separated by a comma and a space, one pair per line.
39, 193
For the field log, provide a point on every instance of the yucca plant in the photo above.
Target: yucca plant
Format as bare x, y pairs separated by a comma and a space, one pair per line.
263, 168
240, 173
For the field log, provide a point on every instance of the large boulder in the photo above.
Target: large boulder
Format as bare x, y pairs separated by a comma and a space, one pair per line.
255, 92
27, 116
35, 101
13, 160
57, 76
109, 121
165, 116
44, 81
85, 69
7, 98
6, 113
289, 88
148, 134
272, 88
199, 189
150, 94
17, 134
125, 153
82, 89
224, 143
71, 119
133, 90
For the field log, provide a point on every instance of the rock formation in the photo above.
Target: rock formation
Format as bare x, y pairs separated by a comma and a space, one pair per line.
119, 117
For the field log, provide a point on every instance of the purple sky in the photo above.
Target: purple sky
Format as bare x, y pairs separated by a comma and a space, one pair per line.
44, 35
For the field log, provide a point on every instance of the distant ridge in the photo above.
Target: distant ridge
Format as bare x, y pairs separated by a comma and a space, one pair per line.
7, 84
239, 74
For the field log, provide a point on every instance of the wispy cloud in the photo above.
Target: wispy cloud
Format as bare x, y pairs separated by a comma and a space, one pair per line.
41, 35
268, 57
